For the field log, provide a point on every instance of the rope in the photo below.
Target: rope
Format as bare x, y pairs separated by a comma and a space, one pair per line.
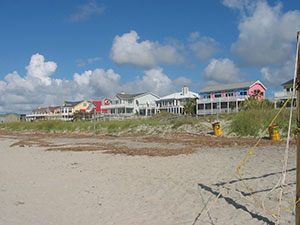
288, 140
209, 206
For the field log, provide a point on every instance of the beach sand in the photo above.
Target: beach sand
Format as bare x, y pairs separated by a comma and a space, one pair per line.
43, 182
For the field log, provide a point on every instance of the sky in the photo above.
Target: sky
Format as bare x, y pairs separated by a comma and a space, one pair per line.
59, 50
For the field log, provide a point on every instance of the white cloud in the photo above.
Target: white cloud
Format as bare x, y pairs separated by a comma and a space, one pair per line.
92, 60
267, 34
40, 69
277, 76
87, 10
182, 81
245, 6
203, 47
221, 71
24, 93
155, 81
194, 36
127, 50
84, 62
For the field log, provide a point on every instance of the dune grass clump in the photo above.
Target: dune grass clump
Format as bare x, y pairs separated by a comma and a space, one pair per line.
253, 122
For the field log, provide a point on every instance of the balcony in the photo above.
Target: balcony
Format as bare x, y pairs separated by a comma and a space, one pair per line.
222, 99
282, 95
116, 106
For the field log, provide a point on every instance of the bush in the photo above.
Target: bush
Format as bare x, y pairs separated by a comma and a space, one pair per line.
253, 122
252, 104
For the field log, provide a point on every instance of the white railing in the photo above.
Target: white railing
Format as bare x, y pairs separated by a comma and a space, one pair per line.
222, 99
282, 94
151, 105
214, 111
115, 106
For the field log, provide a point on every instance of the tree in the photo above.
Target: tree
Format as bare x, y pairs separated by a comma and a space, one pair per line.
190, 107
76, 116
257, 94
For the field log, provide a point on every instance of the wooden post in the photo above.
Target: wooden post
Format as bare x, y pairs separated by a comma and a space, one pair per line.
297, 71
94, 121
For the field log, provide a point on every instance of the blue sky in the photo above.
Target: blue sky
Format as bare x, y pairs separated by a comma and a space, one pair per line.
53, 51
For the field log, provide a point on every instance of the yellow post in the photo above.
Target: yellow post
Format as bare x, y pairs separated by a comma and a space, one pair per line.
274, 133
217, 128
297, 71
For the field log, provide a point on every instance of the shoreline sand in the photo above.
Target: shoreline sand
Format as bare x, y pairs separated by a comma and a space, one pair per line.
90, 187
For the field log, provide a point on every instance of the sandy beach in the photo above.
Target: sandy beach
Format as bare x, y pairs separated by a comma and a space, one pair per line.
65, 179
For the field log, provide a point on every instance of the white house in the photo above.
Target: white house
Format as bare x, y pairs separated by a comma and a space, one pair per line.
129, 104
280, 97
174, 103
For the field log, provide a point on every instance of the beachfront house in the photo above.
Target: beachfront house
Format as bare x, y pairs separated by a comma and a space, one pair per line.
51, 112
227, 97
280, 97
68, 108
174, 103
129, 104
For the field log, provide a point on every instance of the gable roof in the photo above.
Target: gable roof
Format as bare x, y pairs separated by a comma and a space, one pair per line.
288, 82
128, 96
40, 110
232, 86
179, 95
71, 104
132, 96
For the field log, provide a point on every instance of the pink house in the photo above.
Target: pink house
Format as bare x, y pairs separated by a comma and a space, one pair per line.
228, 97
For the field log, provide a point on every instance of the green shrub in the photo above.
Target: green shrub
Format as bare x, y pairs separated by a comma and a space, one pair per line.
253, 122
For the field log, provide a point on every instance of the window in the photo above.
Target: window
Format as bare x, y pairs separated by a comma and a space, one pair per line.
229, 93
218, 95
84, 104
243, 93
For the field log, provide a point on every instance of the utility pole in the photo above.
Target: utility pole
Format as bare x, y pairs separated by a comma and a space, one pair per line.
297, 71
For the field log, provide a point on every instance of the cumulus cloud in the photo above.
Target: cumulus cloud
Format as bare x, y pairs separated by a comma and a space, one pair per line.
86, 11
40, 69
245, 6
277, 76
221, 71
155, 81
37, 88
147, 54
182, 81
267, 34
203, 47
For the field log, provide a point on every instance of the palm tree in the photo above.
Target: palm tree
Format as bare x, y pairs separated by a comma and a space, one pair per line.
190, 107
257, 94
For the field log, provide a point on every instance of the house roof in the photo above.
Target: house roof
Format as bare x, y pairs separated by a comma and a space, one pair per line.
128, 96
179, 95
40, 110
71, 104
52, 108
288, 82
232, 86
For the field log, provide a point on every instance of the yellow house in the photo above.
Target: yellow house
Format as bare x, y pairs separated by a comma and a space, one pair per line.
82, 106
68, 108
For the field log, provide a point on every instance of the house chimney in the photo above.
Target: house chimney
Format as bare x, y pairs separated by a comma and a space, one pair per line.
185, 90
